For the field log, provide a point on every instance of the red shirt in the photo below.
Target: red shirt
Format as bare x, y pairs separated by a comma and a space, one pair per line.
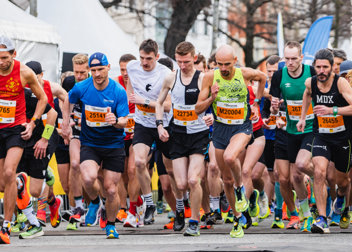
256, 125
11, 90
49, 93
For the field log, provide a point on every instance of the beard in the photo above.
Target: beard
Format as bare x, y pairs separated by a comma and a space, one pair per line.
323, 75
6, 67
225, 73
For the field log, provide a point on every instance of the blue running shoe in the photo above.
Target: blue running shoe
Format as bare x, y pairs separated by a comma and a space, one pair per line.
92, 215
335, 219
111, 232
339, 204
320, 226
328, 206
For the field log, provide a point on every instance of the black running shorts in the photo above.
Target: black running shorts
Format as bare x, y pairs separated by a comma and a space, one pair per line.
11, 137
35, 168
295, 143
280, 152
269, 154
128, 143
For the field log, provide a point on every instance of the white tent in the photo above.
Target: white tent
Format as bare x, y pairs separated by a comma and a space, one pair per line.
86, 27
34, 39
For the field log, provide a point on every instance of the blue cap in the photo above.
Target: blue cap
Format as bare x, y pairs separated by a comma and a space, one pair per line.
103, 60
282, 65
345, 67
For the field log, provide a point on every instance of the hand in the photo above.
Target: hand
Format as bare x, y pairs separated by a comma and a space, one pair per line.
110, 118
208, 119
136, 99
131, 137
321, 110
275, 103
66, 131
163, 134
266, 122
72, 123
40, 148
214, 91
280, 123
28, 131
301, 125
255, 111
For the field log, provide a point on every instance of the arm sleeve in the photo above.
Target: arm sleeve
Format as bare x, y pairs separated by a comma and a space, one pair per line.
122, 105
266, 108
74, 95
275, 90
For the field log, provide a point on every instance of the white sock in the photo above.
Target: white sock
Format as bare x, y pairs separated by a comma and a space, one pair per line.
79, 202
31, 216
72, 208
185, 196
148, 199
216, 202
179, 205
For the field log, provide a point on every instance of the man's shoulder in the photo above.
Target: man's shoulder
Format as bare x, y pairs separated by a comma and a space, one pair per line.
133, 64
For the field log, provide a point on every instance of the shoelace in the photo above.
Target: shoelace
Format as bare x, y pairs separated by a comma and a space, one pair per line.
238, 193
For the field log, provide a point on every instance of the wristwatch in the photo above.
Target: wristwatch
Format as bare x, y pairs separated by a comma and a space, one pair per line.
258, 101
36, 121
146, 102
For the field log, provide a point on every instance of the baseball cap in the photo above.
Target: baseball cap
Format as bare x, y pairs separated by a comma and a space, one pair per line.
103, 60
10, 45
345, 67
35, 66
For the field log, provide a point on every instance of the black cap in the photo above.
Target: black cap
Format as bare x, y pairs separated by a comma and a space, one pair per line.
35, 66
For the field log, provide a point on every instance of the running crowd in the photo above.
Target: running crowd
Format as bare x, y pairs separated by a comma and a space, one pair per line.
243, 143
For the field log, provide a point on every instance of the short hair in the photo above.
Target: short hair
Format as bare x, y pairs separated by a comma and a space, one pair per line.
272, 60
4, 46
185, 48
149, 46
80, 59
127, 58
64, 75
324, 54
201, 59
293, 44
340, 54
212, 58
167, 62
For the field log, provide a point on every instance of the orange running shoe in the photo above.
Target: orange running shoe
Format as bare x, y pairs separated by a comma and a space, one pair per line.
201, 212
55, 216
188, 212
121, 216
294, 223
284, 214
5, 234
103, 221
41, 216
22, 195
170, 225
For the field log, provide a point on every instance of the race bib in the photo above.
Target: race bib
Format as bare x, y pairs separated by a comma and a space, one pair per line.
7, 111
331, 124
185, 115
252, 114
272, 122
294, 109
59, 122
44, 118
283, 117
130, 124
146, 110
77, 115
95, 116
230, 113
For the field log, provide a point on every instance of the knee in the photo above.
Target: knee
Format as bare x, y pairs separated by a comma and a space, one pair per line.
297, 178
229, 160
166, 188
140, 164
9, 176
319, 175
88, 180
228, 182
131, 171
213, 169
181, 185
111, 192
35, 192
75, 165
246, 173
65, 187
284, 182
193, 182
302, 165
256, 176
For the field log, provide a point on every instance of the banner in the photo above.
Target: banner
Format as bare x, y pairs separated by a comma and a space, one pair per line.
280, 35
317, 38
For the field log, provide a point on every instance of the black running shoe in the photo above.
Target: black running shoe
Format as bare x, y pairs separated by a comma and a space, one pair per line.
179, 223
205, 217
224, 204
149, 215
248, 218
215, 218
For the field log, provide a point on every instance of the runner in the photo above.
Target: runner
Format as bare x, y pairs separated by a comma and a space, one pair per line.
332, 97
232, 128
105, 111
289, 82
14, 131
201, 64
189, 133
339, 57
212, 62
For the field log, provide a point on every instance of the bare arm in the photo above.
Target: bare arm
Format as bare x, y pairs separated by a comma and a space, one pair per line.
67, 108
265, 92
204, 100
160, 103
307, 99
122, 122
58, 91
256, 75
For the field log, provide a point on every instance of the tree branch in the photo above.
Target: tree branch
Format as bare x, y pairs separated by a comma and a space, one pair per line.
109, 4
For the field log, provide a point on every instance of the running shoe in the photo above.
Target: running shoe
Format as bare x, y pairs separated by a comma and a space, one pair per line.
21, 217
32, 232
229, 217
41, 216
294, 223
192, 230
264, 207
103, 221
314, 211
22, 194
335, 219
5, 234
254, 206
111, 232
241, 200
72, 226
167, 208
18, 227
188, 212
121, 216
328, 206
301, 214
345, 220
215, 218
55, 216
247, 218
205, 217
255, 221
170, 225
50, 176
278, 223
339, 205
288, 213
78, 215
92, 215
272, 207
131, 221
350, 214
179, 221
237, 231
306, 225
224, 204
149, 215
160, 207
171, 215
284, 211
320, 226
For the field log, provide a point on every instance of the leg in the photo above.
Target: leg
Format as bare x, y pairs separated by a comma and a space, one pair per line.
141, 153
111, 181
75, 172
283, 169
196, 165
89, 171
64, 171
214, 180
320, 168
331, 178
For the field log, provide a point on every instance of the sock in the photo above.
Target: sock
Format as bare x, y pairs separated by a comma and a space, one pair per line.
139, 201
132, 209
148, 199
192, 221
110, 223
42, 202
294, 213
6, 223
20, 184
51, 199
179, 205
261, 194
78, 201
186, 196
279, 198
96, 201
31, 216
72, 208
216, 202
305, 207
103, 200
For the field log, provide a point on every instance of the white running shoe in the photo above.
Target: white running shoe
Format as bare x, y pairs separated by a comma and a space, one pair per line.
140, 212
131, 221
263, 206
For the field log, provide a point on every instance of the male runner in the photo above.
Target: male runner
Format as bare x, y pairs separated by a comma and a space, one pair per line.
339, 57
226, 90
201, 64
212, 62
289, 82
14, 131
189, 135
104, 116
332, 97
